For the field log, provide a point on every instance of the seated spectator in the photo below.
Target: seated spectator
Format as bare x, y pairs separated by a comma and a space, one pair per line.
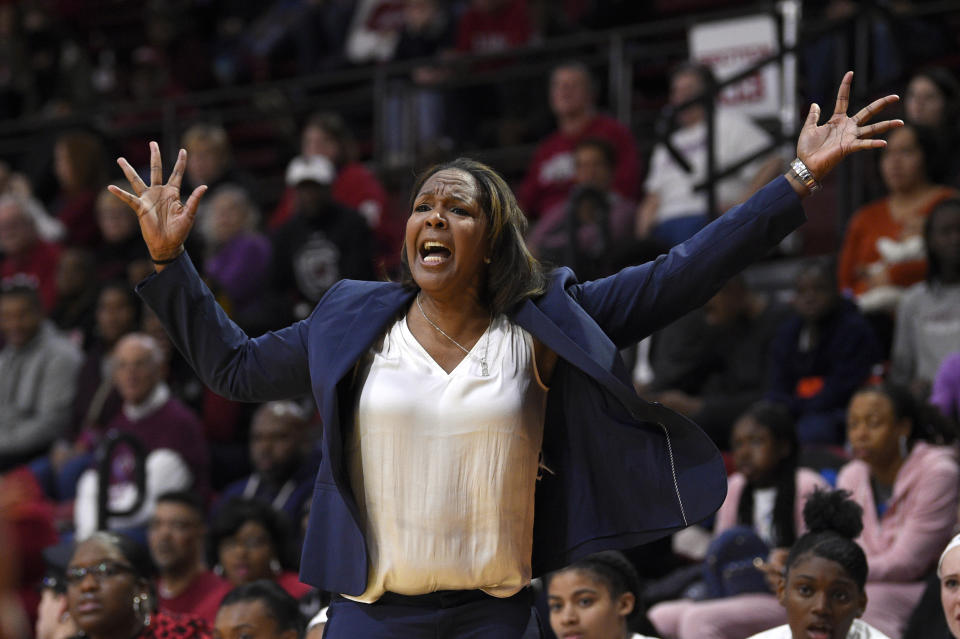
251, 541
283, 466
712, 364
767, 494
260, 609
601, 216
933, 100
78, 162
176, 540
26, 259
171, 435
122, 253
354, 186
882, 251
907, 487
928, 316
238, 256
322, 243
550, 175
822, 588
597, 596
673, 208
110, 594
77, 289
822, 353
948, 572
945, 395
38, 369
210, 160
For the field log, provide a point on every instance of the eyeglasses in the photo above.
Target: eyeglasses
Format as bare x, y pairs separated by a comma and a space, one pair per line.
101, 571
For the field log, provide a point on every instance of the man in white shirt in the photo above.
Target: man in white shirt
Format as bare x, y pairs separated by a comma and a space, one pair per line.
672, 210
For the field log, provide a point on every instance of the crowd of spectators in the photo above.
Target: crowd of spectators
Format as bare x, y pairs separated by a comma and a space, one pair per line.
844, 374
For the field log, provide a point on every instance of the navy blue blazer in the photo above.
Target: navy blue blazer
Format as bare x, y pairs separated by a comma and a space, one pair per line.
625, 471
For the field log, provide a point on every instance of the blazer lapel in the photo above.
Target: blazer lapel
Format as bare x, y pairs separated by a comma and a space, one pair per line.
365, 324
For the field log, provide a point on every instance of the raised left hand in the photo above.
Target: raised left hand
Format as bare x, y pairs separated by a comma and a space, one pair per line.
822, 147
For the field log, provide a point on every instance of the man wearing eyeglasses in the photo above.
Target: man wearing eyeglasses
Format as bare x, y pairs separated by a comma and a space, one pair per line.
176, 539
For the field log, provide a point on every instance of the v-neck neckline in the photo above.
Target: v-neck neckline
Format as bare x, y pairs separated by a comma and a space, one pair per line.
433, 362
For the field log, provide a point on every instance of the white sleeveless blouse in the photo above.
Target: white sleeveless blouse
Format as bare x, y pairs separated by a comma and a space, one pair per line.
443, 466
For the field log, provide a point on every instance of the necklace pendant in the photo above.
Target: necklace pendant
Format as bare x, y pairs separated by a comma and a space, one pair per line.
483, 368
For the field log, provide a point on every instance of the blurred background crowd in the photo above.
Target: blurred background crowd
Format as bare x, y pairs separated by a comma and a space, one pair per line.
623, 131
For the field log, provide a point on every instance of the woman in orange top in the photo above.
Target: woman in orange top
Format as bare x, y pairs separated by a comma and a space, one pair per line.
882, 251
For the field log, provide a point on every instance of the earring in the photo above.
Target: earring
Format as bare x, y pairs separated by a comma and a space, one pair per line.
486, 260
218, 570
903, 446
275, 566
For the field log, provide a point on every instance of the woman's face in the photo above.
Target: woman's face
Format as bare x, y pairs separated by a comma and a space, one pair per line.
245, 555
446, 236
247, 620
821, 598
873, 430
901, 162
756, 453
950, 590
101, 585
924, 104
581, 607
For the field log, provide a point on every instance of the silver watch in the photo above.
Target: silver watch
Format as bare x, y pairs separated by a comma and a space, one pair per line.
803, 174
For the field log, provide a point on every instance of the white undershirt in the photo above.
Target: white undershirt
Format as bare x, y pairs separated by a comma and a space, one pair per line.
444, 466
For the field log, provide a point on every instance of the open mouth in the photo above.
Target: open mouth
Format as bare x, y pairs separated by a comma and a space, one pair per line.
432, 252
819, 631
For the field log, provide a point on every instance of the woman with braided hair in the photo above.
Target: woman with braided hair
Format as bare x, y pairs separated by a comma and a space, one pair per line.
823, 586
594, 598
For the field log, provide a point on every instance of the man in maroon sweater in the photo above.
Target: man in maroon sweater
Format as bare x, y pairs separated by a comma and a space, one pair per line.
176, 539
550, 176
171, 435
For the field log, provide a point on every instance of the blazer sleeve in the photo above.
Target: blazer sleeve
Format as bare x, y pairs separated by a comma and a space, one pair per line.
270, 367
638, 300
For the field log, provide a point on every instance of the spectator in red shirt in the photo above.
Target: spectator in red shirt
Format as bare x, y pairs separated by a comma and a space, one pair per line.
176, 540
25, 256
551, 174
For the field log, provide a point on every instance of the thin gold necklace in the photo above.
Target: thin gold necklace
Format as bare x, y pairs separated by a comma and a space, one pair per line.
486, 342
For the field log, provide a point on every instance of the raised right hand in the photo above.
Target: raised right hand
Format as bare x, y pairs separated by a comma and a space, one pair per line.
165, 222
